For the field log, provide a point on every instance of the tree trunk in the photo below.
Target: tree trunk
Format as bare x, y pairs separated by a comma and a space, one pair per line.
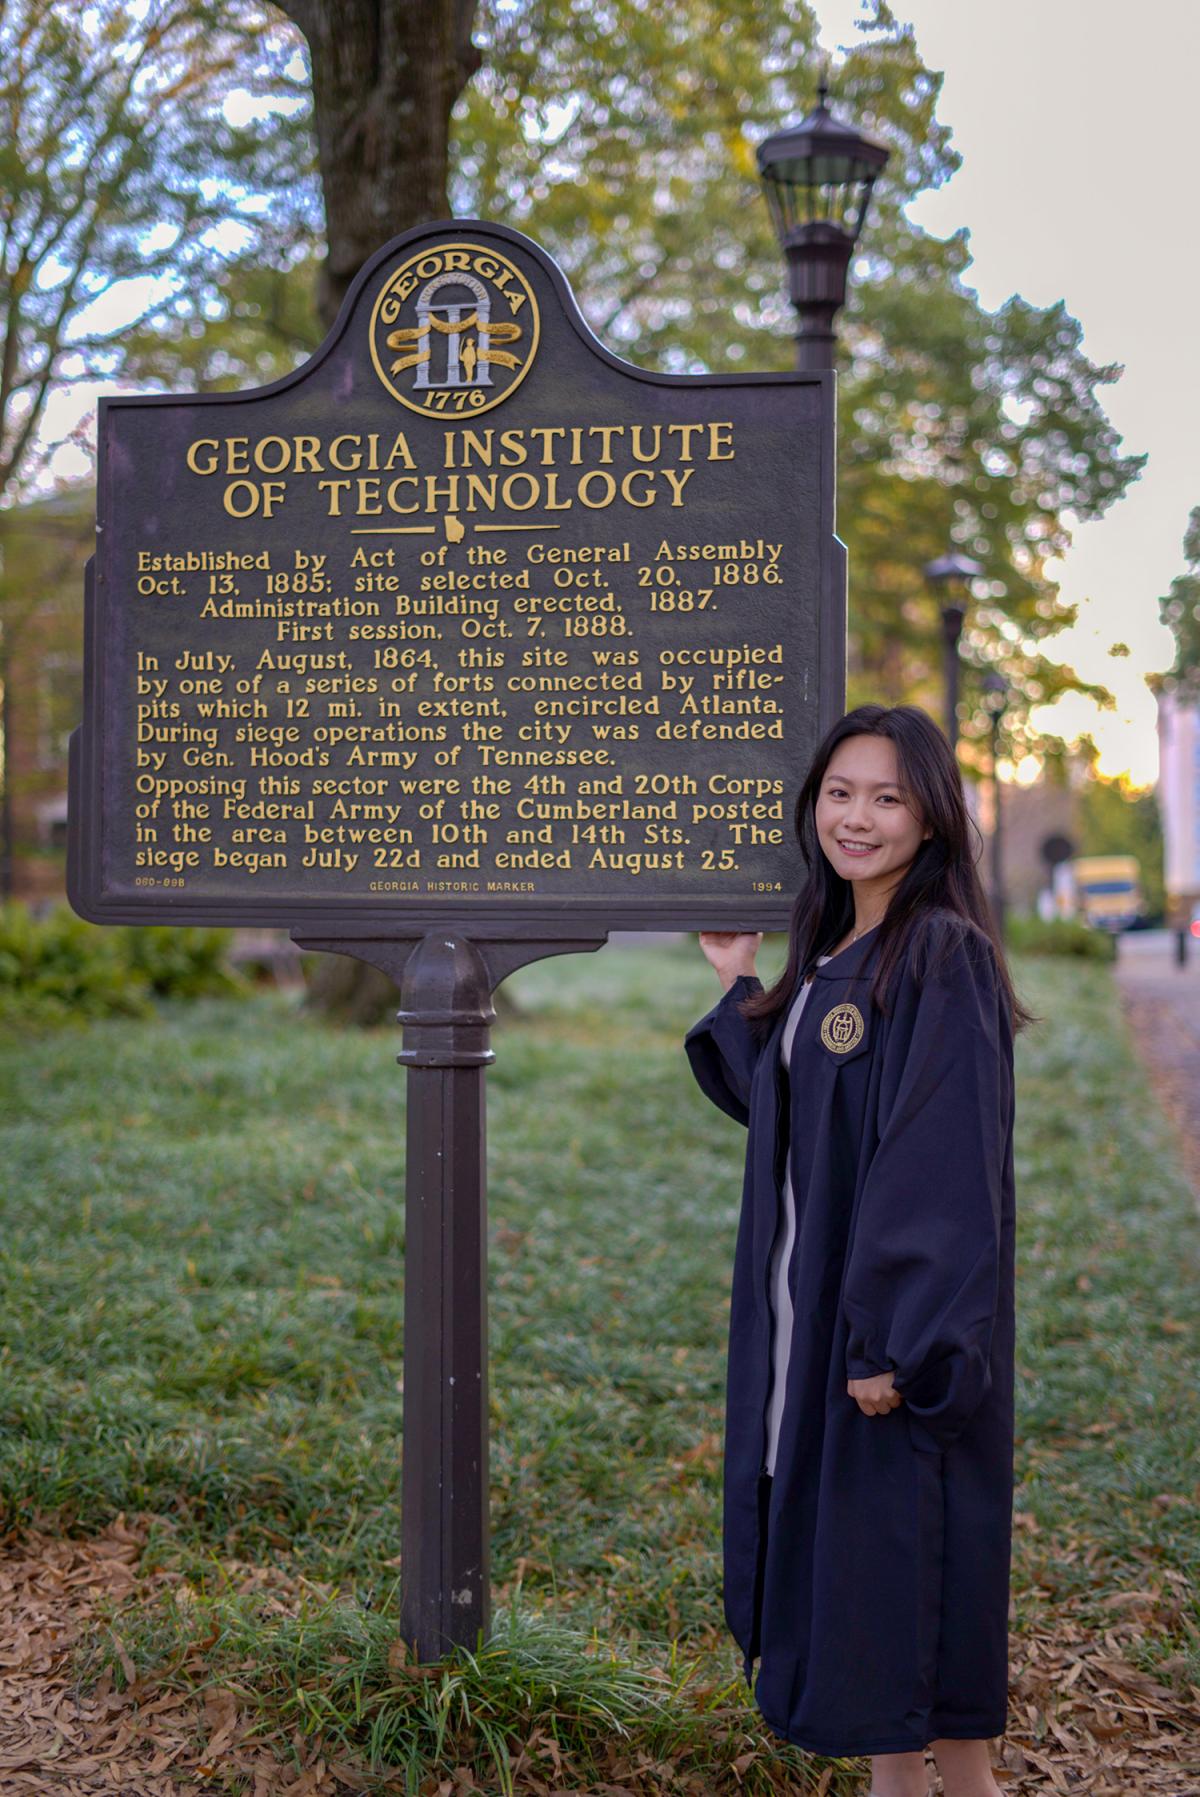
386, 74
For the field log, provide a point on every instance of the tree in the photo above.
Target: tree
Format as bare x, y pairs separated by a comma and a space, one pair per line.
621, 136
126, 184
1119, 818
385, 76
45, 546
260, 324
1180, 612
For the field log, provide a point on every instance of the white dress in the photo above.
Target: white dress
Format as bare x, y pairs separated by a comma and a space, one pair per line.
781, 1301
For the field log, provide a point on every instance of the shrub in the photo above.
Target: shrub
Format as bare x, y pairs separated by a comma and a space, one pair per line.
177, 963
1059, 936
57, 968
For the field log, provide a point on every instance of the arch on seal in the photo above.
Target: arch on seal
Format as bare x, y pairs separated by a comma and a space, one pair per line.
481, 374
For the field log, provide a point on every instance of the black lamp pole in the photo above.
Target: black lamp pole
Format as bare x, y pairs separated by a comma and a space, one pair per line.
818, 176
995, 698
949, 577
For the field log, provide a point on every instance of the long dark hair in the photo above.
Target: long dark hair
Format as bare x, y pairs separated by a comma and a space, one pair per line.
942, 874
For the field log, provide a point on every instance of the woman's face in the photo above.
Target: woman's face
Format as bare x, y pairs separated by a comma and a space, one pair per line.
861, 803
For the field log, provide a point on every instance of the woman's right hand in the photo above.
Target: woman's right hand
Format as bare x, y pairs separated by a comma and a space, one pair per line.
730, 952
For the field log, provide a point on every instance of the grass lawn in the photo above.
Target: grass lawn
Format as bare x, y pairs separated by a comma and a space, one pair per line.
202, 1270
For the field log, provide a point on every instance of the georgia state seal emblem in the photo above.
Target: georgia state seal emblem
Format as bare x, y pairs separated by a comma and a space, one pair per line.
842, 1028
454, 330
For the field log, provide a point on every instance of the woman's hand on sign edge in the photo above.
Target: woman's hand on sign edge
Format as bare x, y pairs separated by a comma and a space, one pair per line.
875, 1396
730, 952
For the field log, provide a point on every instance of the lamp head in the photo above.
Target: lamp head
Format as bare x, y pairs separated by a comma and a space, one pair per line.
819, 173
995, 694
952, 569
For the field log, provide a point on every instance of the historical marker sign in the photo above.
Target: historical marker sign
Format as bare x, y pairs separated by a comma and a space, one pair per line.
460, 647
466, 620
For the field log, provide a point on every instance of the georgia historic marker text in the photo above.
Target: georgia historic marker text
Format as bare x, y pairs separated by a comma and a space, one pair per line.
466, 618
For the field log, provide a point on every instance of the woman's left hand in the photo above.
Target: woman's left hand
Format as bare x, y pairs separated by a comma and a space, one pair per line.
875, 1396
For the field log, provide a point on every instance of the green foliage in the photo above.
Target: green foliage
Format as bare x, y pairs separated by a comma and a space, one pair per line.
179, 963
259, 324
59, 969
1058, 936
1118, 818
43, 549
130, 185
131, 193
1180, 612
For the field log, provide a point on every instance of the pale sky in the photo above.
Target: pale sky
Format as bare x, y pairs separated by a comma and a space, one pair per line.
1075, 122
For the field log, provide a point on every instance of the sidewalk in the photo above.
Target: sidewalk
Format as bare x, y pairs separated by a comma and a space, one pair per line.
1161, 1004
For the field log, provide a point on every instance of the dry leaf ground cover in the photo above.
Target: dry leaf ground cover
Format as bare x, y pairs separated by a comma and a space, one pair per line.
201, 1266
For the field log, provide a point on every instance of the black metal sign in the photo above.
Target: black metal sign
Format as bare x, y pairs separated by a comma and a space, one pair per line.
467, 620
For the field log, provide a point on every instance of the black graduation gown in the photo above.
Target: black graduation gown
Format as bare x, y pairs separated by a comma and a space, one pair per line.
870, 1576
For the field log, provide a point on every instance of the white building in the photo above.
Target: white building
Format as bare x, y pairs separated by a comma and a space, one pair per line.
1179, 798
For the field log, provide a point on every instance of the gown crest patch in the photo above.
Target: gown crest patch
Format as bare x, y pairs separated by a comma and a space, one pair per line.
842, 1028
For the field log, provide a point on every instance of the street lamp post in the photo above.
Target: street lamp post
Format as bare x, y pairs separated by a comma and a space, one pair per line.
818, 176
995, 699
949, 576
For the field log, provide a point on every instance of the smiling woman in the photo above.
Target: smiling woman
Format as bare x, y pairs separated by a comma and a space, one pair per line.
869, 1430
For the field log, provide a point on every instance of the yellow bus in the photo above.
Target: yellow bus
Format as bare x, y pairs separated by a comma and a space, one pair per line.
1103, 891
